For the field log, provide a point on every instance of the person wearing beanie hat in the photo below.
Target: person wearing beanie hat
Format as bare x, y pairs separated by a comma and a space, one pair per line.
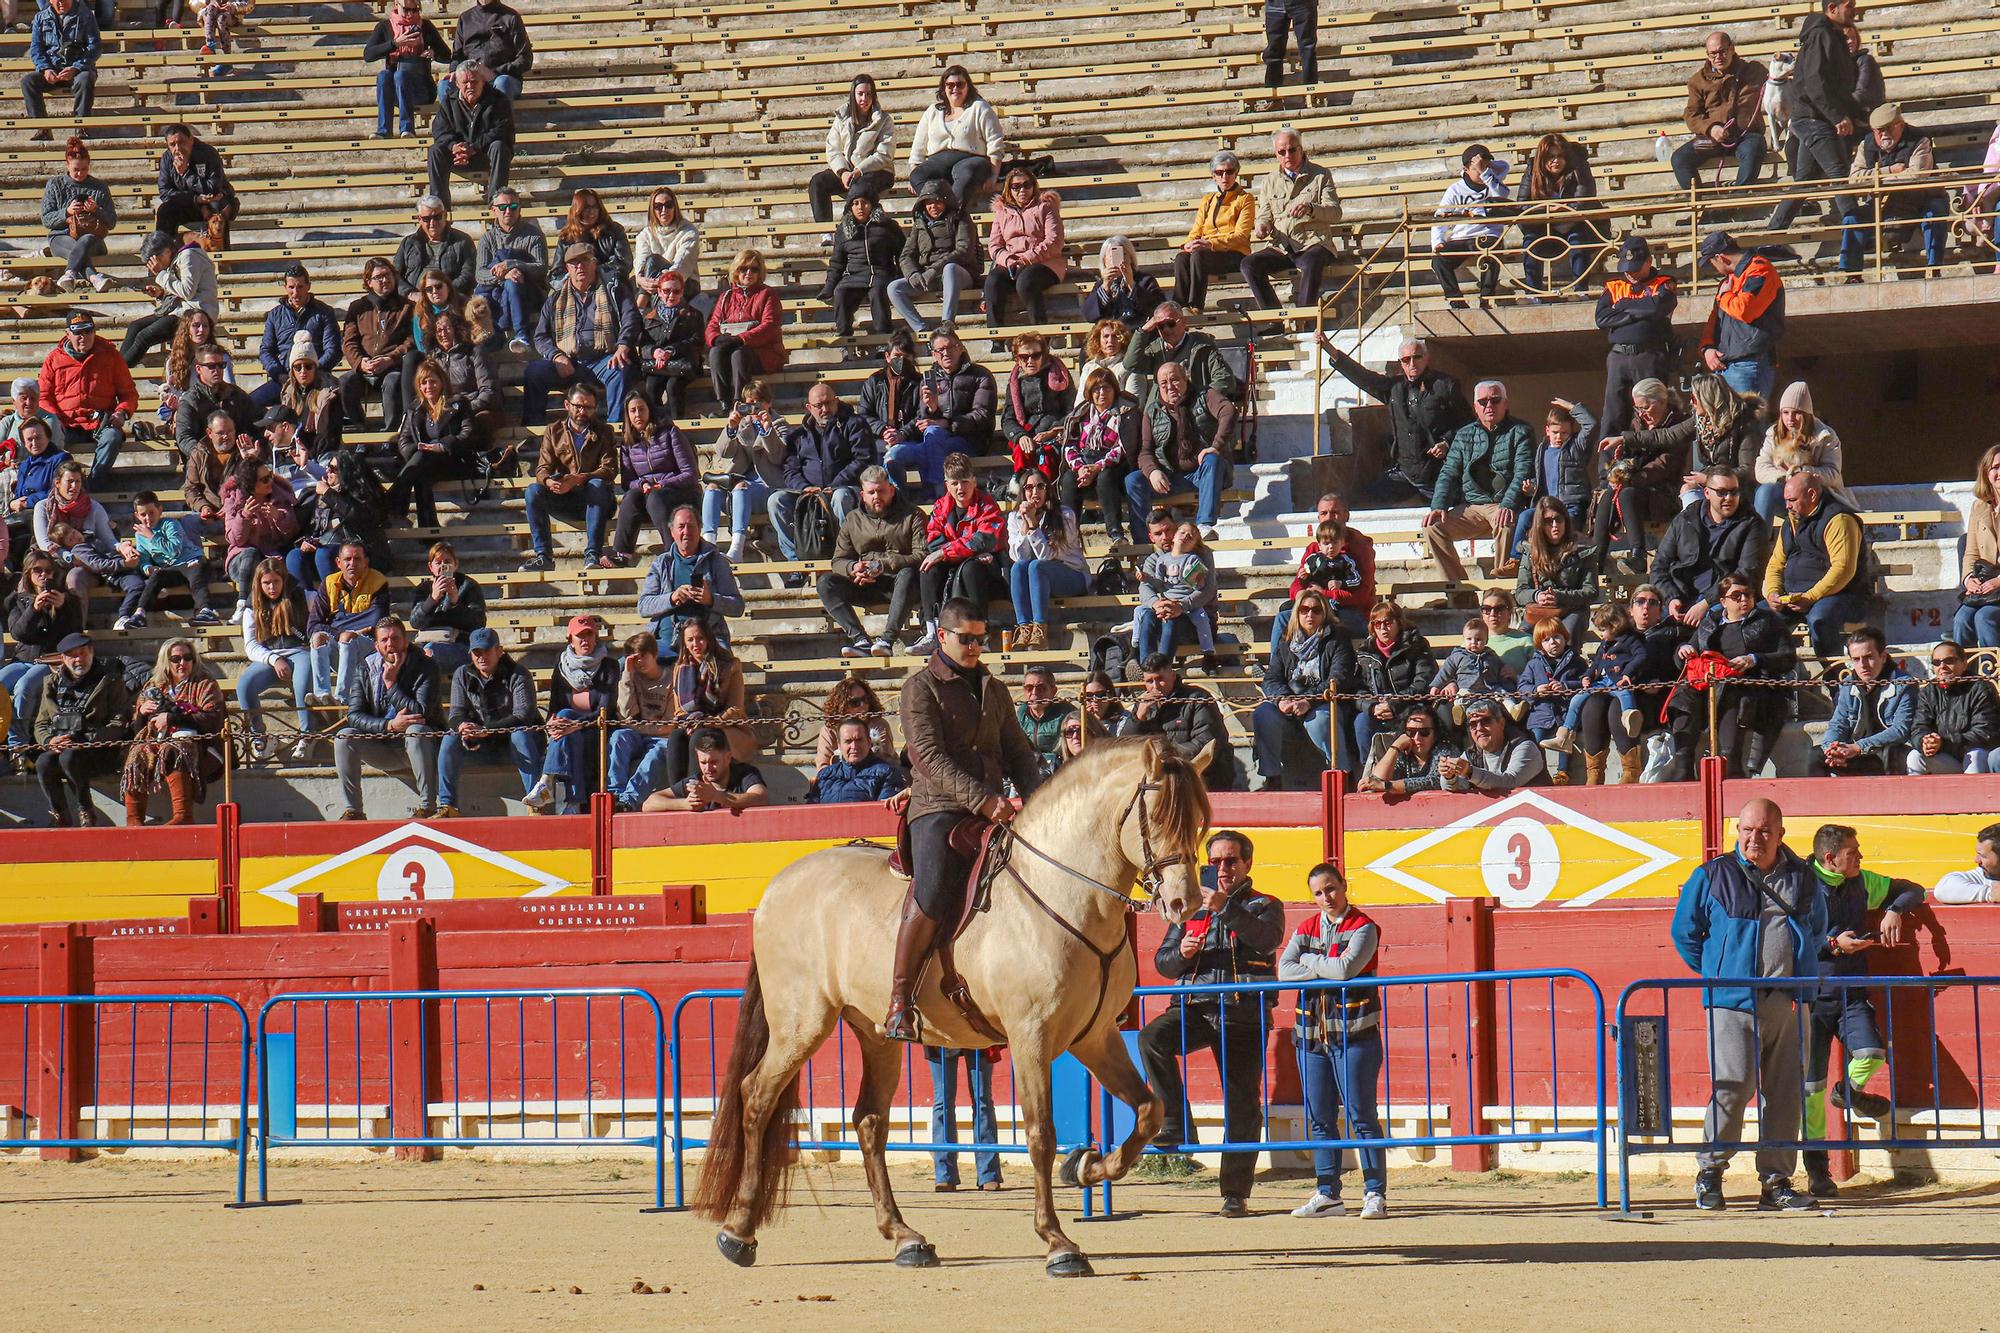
940, 254
1739, 340
1797, 439
1636, 314
1891, 153
866, 246
1481, 183
87, 386
297, 312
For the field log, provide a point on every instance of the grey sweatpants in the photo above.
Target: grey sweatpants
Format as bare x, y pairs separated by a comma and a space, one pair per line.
417, 754
1755, 1053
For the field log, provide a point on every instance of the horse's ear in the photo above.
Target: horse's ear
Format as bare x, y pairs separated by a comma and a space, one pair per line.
1155, 758
1203, 757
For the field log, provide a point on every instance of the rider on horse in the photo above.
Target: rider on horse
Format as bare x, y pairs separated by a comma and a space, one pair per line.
964, 739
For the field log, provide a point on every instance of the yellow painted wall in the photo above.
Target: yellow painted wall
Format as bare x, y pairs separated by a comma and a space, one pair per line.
101, 890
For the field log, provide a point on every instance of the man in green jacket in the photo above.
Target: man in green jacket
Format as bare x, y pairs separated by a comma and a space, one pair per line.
1483, 482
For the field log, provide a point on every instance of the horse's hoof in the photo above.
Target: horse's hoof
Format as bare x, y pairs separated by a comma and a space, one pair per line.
1072, 1166
917, 1254
1072, 1264
742, 1253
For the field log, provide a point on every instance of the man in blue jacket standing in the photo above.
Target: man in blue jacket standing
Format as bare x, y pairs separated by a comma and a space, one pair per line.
1757, 912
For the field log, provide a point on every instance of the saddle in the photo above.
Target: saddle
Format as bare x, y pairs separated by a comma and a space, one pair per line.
972, 838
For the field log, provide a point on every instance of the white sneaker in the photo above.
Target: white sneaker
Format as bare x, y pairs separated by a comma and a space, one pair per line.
1322, 1204
927, 645
301, 750
121, 624
1374, 1207
100, 282
542, 795
737, 545
69, 281
708, 535
882, 648
825, 239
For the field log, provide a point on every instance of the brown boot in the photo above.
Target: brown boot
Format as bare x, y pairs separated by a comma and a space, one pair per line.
913, 946
1629, 765
1593, 768
180, 790
135, 810
1558, 777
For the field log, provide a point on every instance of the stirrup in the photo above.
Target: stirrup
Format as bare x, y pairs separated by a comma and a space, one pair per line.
912, 1021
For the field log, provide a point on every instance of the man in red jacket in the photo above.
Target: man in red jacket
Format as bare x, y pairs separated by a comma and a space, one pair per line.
89, 388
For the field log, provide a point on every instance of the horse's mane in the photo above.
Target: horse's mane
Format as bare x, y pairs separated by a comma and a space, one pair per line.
1179, 814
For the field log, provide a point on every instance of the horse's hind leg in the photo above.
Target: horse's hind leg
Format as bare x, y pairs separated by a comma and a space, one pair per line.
1103, 1053
881, 1073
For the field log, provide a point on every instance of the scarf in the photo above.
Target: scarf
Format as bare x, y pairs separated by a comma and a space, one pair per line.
1055, 379
76, 512
1097, 439
407, 32
698, 688
1308, 663
577, 672
603, 318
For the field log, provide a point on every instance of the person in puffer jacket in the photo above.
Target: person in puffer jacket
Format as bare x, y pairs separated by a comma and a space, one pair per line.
1958, 718
1314, 660
1040, 394
1554, 670
1026, 244
964, 538
866, 247
940, 254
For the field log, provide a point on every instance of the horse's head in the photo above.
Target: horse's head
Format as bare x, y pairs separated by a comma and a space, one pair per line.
1165, 841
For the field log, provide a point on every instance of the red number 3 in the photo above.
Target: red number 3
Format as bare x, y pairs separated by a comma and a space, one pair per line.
413, 874
1523, 873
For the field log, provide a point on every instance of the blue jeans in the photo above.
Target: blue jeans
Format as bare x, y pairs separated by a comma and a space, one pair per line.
334, 663
951, 281
506, 85
1269, 727
408, 83
1971, 627
574, 760
1366, 728
1150, 634
1751, 376
742, 500
1206, 481
540, 377
510, 309
944, 1111
927, 455
1343, 1074
1769, 501
1827, 621
24, 680
309, 569
1859, 238
632, 752
1035, 582
1749, 155
524, 748
260, 678
1573, 716
782, 509
104, 444
594, 501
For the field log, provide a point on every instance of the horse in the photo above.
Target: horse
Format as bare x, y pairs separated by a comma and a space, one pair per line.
1048, 962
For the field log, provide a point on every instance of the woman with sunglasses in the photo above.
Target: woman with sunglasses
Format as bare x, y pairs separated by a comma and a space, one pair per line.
406, 43
1311, 661
433, 297
1758, 646
745, 339
667, 243
1411, 761
1394, 659
1219, 240
1106, 711
259, 520
1025, 240
1558, 577
178, 710
958, 141
194, 338
860, 152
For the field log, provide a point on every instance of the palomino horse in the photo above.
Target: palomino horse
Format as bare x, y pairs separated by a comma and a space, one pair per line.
1047, 963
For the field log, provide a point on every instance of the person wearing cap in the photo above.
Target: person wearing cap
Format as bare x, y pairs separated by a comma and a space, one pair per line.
493, 719
393, 711
1219, 240
1025, 241
574, 472
1826, 114
1466, 228
1724, 114
64, 42
297, 311
84, 704
583, 689
720, 781
1740, 339
1297, 208
512, 266
435, 244
182, 282
374, 339
474, 123
89, 388
1891, 154
194, 186
588, 333
862, 263
940, 254
1636, 312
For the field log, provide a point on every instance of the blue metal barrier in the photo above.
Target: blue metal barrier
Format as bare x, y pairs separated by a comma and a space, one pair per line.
1645, 1065
193, 1059
840, 1047
1457, 1080
588, 1051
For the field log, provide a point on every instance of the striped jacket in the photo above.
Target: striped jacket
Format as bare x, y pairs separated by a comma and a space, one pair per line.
1324, 950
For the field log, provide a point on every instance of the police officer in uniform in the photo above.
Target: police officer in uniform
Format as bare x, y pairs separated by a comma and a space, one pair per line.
1636, 312
964, 740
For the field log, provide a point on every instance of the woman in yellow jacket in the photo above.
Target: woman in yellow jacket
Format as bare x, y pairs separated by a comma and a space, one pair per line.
1220, 237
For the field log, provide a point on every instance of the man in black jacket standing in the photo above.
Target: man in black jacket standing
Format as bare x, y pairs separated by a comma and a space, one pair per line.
1721, 535
1636, 312
475, 123
1426, 408
1825, 113
1187, 716
492, 34
1232, 938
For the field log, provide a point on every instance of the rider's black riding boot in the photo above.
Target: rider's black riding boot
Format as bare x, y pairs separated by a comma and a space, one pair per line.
913, 945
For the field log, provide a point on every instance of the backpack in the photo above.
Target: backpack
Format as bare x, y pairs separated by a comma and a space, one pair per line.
812, 528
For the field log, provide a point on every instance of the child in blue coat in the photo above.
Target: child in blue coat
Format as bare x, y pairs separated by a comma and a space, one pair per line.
1554, 669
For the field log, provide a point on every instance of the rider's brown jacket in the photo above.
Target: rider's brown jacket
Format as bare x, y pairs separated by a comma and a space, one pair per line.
963, 738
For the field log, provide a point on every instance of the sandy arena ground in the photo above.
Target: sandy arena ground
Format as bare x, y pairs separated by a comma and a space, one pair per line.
484, 1245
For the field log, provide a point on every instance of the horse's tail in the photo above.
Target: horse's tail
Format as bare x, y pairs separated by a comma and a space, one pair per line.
723, 1163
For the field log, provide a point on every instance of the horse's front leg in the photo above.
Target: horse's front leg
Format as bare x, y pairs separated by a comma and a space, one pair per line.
1031, 1087
1102, 1052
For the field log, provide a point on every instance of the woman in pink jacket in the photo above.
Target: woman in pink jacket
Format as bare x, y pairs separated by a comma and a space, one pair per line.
743, 338
1026, 244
